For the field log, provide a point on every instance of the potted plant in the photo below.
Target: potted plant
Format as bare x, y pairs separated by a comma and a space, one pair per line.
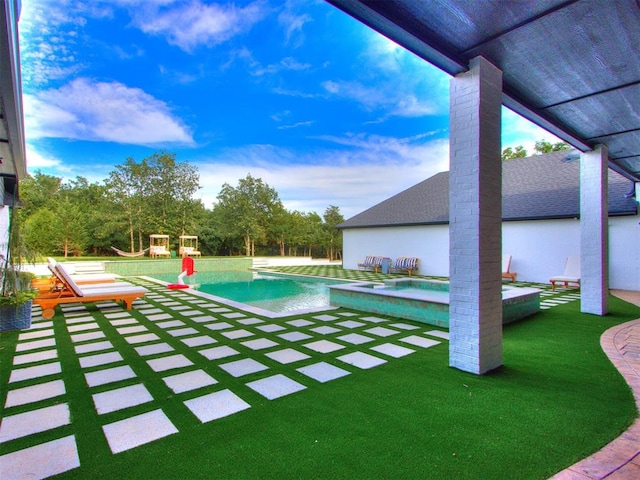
16, 292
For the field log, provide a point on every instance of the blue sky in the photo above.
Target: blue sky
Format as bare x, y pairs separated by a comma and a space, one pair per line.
322, 108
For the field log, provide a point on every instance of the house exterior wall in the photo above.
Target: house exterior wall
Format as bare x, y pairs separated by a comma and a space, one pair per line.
539, 248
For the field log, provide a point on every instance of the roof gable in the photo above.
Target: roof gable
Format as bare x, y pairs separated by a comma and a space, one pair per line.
533, 188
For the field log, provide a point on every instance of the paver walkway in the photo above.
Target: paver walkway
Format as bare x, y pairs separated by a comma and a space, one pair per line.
619, 460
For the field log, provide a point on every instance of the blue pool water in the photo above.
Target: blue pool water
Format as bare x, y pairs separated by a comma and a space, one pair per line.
276, 293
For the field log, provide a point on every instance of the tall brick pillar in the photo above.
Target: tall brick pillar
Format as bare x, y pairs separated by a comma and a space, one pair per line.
594, 231
475, 219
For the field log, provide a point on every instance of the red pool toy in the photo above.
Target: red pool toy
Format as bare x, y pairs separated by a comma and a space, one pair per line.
187, 269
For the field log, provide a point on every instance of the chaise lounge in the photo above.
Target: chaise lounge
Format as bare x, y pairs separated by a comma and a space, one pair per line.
571, 273
507, 274
405, 264
372, 262
71, 292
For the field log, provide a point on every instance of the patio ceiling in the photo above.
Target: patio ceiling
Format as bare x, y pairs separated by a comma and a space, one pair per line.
571, 67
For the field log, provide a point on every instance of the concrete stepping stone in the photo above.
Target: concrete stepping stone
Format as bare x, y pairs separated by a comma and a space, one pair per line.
169, 363
82, 327
325, 330
160, 316
181, 332
153, 349
138, 430
355, 338
185, 382
438, 334
243, 367
347, 314
79, 319
300, 323
419, 341
216, 353
191, 313
171, 324
404, 326
351, 324
85, 337
147, 337
111, 316
374, 319
150, 311
34, 393
180, 308
33, 335
131, 330
235, 334
288, 355
34, 345
323, 346
294, 336
93, 347
219, 310
233, 315
121, 398
361, 360
41, 461
250, 321
123, 321
276, 386
100, 359
34, 421
35, 357
204, 318
198, 341
323, 372
381, 331
40, 325
219, 326
36, 371
326, 318
216, 405
270, 328
395, 351
259, 343
109, 375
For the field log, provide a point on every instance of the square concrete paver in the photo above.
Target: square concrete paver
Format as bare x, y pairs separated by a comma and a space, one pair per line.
235, 334
36, 371
243, 367
93, 347
288, 355
374, 319
125, 397
198, 341
259, 343
419, 341
203, 318
323, 372
395, 351
381, 331
34, 421
250, 321
404, 326
219, 326
234, 315
326, 318
294, 336
216, 353
100, 359
300, 323
185, 382
271, 327
41, 461
276, 386
361, 360
355, 338
109, 375
168, 363
350, 324
438, 333
325, 330
135, 431
324, 346
34, 393
153, 349
216, 405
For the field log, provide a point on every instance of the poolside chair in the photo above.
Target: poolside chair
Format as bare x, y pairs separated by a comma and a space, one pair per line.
571, 273
506, 268
54, 283
71, 292
405, 264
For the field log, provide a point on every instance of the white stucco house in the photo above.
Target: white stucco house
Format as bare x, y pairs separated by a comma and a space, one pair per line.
540, 228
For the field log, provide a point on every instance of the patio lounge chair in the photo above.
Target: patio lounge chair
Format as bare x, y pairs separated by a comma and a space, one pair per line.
372, 262
54, 283
506, 268
571, 273
405, 264
71, 292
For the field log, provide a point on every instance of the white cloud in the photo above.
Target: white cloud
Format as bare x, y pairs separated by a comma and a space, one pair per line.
102, 111
191, 24
517, 131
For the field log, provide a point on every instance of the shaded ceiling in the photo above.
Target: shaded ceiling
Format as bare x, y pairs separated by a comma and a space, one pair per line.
571, 67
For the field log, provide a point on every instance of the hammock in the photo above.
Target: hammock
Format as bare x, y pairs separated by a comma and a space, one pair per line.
122, 253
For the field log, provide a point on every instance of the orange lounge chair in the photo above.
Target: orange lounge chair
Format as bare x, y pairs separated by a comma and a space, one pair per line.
71, 292
55, 283
506, 268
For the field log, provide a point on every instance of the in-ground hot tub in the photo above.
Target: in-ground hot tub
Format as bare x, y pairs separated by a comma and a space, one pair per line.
425, 301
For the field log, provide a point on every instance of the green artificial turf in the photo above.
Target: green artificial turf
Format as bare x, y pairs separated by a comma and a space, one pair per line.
556, 400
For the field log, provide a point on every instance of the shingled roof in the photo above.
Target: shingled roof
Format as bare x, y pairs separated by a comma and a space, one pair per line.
533, 188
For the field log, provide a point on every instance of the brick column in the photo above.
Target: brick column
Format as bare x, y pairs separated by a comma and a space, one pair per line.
594, 231
475, 219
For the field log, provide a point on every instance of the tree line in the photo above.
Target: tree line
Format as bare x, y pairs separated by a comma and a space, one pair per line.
157, 196
541, 147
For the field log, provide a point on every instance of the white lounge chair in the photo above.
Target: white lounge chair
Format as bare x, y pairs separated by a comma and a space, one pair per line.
506, 268
571, 273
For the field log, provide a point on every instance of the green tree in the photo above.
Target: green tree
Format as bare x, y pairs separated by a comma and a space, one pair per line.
542, 147
511, 153
333, 217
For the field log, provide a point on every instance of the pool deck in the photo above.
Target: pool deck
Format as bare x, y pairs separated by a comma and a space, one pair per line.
620, 459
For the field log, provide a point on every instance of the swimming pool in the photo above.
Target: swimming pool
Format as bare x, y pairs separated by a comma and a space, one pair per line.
266, 291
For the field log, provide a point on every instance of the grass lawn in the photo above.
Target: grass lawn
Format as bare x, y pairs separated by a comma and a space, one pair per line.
556, 400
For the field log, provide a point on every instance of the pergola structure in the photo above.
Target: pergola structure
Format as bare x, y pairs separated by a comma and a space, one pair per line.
569, 66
